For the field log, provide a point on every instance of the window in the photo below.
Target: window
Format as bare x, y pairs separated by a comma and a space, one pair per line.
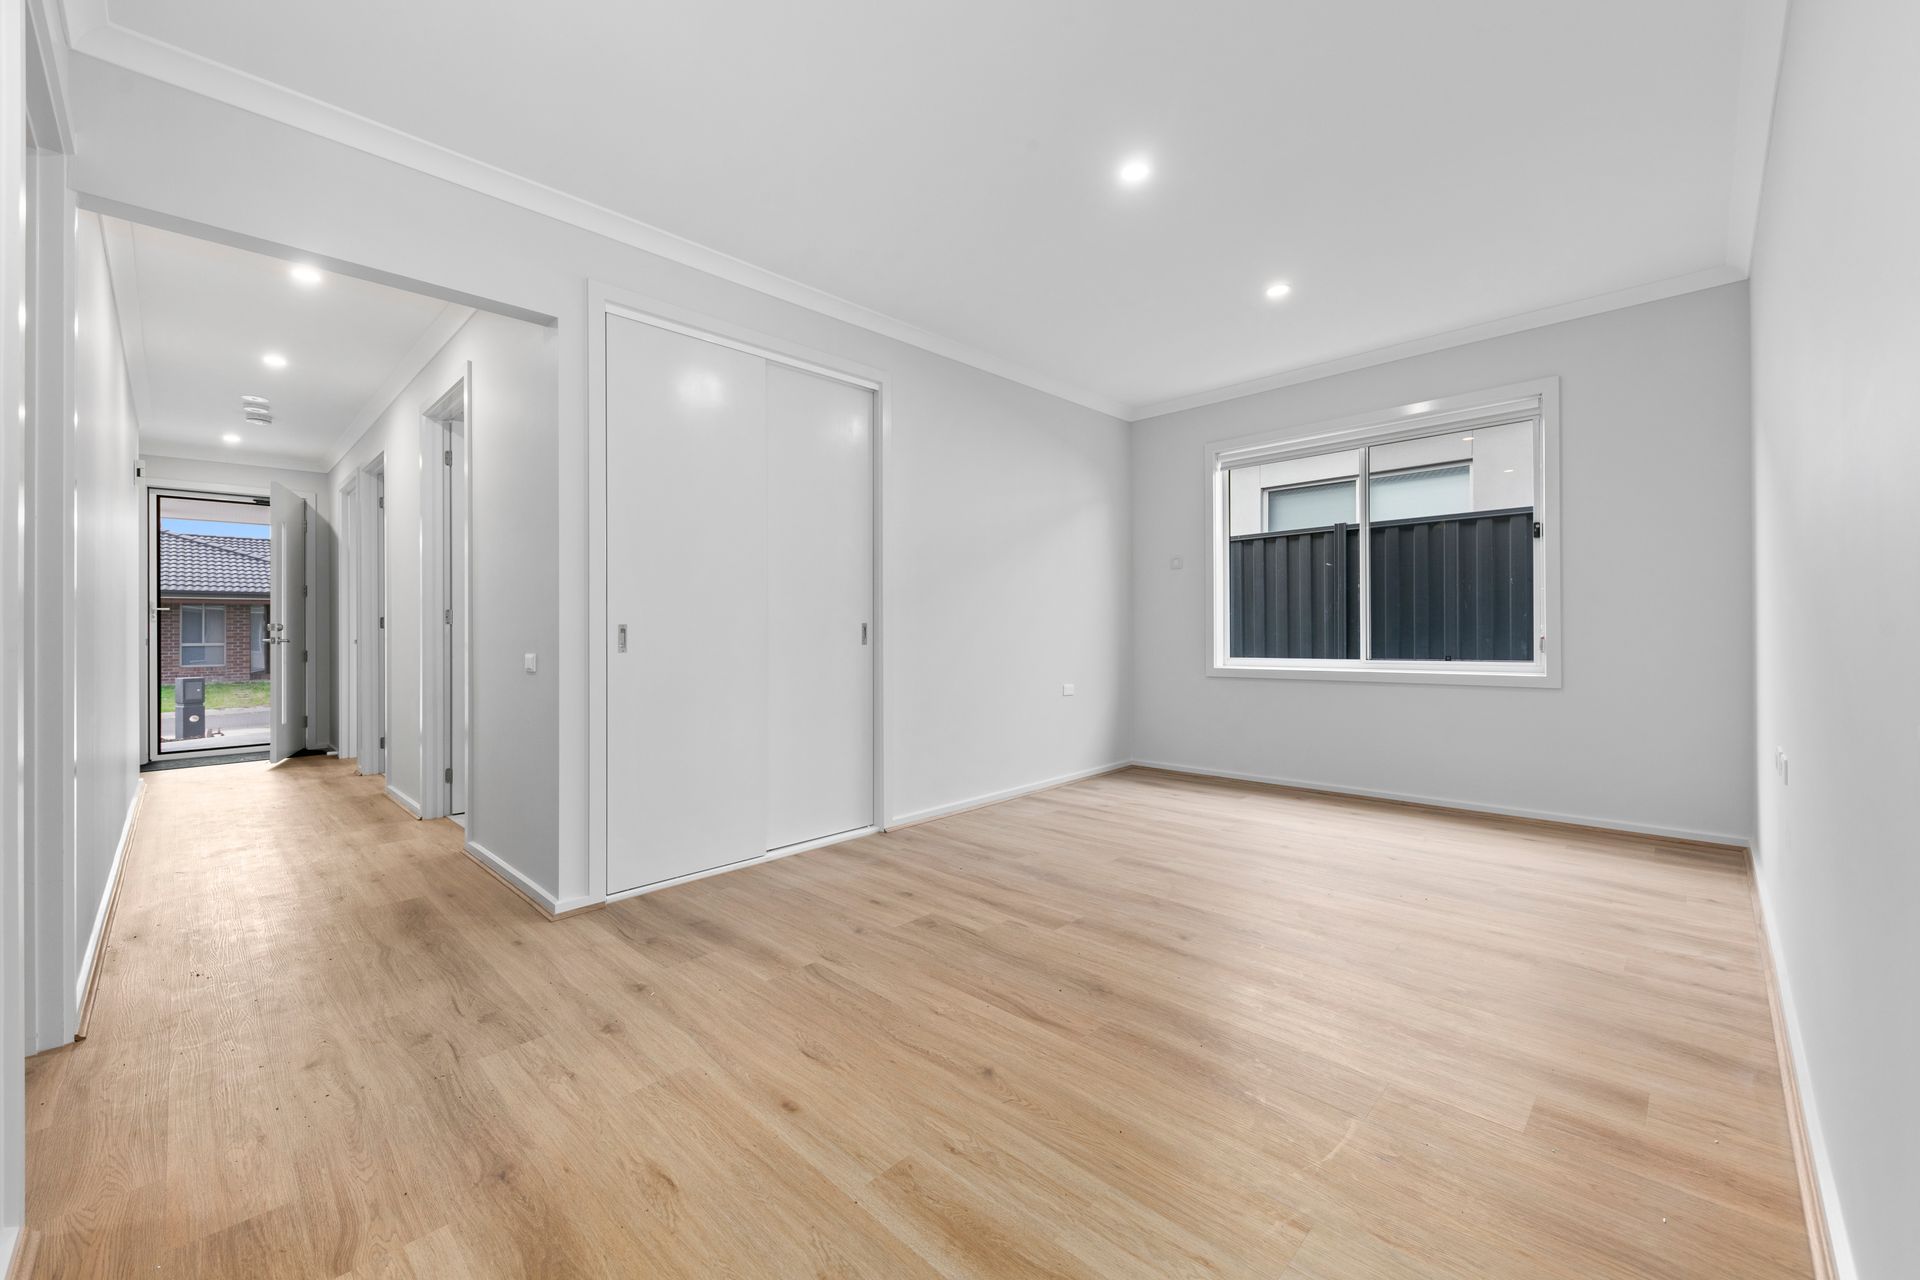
1308, 505
257, 630
203, 635
1413, 544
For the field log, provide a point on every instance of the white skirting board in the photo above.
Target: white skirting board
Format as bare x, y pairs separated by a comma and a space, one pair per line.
506, 871
91, 955
1800, 1090
404, 800
771, 855
995, 797
1442, 802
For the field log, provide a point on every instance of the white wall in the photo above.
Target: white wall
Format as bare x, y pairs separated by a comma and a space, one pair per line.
1654, 720
13, 629
104, 452
1836, 374
1006, 509
513, 793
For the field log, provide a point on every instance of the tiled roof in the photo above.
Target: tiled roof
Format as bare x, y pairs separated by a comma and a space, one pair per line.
204, 564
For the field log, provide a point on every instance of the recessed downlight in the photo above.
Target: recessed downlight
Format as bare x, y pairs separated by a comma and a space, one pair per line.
1135, 171
231, 437
306, 274
1278, 290
274, 360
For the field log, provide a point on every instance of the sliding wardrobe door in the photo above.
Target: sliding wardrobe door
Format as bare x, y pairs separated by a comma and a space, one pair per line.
687, 535
820, 606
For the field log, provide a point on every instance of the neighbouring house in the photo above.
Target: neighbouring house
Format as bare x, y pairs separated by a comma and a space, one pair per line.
213, 606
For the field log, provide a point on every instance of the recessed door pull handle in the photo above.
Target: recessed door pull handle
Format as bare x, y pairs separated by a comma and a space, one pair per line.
621, 645
863, 633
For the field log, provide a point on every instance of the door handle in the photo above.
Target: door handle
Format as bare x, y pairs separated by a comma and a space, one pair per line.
863, 633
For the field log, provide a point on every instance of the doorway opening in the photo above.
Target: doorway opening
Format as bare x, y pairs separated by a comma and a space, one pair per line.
211, 623
363, 503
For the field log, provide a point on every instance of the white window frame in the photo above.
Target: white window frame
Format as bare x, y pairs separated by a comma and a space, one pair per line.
1538, 400
203, 642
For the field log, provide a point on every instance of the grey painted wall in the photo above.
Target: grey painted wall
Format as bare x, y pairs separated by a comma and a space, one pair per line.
513, 794
1006, 510
107, 653
1836, 363
1651, 728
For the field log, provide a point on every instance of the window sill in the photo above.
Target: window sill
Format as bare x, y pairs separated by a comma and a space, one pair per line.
1514, 675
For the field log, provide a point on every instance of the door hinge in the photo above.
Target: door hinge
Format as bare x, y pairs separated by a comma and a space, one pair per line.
303, 655
449, 773
303, 721
383, 504
383, 742
446, 616
1537, 532
383, 622
448, 457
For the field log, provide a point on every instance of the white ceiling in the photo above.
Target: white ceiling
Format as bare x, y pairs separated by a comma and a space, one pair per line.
1412, 168
197, 317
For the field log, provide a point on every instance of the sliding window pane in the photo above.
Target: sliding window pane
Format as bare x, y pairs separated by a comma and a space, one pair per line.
1451, 546
1293, 558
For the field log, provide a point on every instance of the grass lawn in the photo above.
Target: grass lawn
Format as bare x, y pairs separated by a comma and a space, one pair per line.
224, 696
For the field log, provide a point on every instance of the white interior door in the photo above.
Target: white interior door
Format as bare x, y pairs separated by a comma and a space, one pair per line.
287, 589
686, 589
820, 606
456, 668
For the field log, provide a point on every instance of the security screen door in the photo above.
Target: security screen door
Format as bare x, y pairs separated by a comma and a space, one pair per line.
288, 630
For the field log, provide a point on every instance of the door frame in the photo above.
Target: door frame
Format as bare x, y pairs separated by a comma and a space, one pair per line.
347, 504
368, 700
606, 301
437, 751
151, 491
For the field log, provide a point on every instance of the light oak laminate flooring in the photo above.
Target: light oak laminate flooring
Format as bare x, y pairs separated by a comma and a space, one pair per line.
1143, 1025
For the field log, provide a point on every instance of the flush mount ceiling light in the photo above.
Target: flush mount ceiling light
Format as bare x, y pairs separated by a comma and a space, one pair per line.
1278, 290
260, 401
1135, 170
231, 437
306, 275
274, 360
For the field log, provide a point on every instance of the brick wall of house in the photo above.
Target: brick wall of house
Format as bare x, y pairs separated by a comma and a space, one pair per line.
239, 664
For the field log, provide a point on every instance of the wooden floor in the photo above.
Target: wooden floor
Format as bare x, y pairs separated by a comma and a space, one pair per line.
1138, 1026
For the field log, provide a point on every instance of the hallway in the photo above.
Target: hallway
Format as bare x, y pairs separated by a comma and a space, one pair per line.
1141, 1025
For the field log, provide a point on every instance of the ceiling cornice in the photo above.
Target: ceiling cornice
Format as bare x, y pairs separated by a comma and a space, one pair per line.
452, 318
123, 283
1709, 279
1763, 40
93, 33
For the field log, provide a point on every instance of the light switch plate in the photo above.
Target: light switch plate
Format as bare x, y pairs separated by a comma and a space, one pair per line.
533, 663
1066, 691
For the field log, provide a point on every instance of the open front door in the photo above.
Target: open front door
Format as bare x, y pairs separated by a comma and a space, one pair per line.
288, 631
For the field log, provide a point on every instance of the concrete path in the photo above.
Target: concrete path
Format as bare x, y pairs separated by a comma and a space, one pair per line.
242, 726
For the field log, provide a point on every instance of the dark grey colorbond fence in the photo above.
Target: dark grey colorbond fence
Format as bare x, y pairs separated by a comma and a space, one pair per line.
1446, 588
